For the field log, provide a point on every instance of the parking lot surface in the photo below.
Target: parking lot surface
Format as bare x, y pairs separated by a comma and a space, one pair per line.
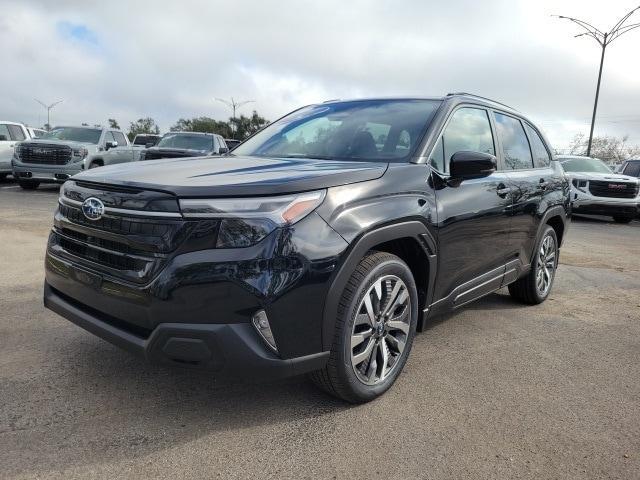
496, 390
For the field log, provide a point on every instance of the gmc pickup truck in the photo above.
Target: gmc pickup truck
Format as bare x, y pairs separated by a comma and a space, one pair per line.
65, 151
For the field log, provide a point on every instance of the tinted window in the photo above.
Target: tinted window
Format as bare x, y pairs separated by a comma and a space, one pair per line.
4, 133
385, 130
16, 132
541, 156
144, 139
632, 169
468, 130
119, 138
75, 134
515, 145
585, 164
187, 141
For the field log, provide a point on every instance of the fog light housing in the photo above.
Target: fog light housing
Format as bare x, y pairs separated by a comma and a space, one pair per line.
260, 322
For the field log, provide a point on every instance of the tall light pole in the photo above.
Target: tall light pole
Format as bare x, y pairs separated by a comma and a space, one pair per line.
233, 105
604, 39
48, 107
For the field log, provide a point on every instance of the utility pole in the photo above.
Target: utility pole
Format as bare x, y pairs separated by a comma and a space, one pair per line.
604, 39
48, 107
233, 105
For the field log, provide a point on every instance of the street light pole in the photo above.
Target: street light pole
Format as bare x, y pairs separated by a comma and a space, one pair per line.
48, 107
233, 105
604, 39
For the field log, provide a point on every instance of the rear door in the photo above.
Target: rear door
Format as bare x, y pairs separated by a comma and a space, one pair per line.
527, 163
473, 215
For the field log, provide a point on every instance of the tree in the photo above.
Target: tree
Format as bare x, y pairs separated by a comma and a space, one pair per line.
607, 147
244, 127
202, 124
142, 126
113, 123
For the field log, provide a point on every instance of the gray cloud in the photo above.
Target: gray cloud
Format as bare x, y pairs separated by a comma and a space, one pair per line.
168, 60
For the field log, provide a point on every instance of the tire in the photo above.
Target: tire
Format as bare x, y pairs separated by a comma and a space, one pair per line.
619, 219
357, 373
28, 184
528, 289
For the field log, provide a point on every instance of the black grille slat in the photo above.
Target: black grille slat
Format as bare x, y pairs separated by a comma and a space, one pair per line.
45, 154
613, 189
116, 261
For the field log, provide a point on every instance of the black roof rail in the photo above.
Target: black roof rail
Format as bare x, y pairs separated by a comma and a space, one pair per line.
452, 94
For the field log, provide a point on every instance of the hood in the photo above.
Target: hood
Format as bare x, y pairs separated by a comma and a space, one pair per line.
608, 177
234, 176
65, 143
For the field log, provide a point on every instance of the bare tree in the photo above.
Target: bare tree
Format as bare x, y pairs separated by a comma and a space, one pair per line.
607, 147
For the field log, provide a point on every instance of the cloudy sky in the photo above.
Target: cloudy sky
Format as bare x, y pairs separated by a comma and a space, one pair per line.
126, 59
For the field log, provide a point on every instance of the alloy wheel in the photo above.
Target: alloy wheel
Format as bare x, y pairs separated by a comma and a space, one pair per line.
546, 265
380, 330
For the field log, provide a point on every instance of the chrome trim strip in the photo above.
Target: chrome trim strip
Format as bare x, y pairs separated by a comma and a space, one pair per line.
122, 211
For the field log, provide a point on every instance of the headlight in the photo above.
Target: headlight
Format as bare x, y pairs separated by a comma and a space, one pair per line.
142, 155
80, 154
17, 151
580, 184
246, 221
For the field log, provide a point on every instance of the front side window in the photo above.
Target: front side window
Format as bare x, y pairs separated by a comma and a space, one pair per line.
119, 138
468, 130
75, 134
515, 146
373, 130
16, 132
541, 156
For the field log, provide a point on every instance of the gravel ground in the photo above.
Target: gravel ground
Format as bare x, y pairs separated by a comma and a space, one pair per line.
497, 390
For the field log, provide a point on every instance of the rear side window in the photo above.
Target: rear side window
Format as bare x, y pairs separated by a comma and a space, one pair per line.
632, 169
468, 130
4, 133
119, 138
517, 154
541, 156
16, 132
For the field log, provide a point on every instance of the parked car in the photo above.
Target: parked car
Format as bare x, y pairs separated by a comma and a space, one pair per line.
596, 190
146, 140
631, 168
322, 244
186, 144
232, 143
10, 134
35, 132
65, 151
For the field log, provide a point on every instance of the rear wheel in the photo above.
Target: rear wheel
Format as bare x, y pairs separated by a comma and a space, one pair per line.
535, 287
621, 219
376, 323
28, 184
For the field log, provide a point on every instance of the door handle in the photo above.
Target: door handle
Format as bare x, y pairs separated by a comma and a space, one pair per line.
503, 190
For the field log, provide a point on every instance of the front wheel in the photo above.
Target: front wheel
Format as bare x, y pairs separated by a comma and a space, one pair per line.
619, 219
535, 287
377, 317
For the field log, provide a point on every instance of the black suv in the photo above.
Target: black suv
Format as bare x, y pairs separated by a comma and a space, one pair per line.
321, 245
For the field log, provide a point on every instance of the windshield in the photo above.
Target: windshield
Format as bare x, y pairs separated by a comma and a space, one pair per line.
384, 130
75, 134
187, 142
585, 164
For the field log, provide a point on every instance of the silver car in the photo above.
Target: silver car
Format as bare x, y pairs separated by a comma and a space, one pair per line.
596, 190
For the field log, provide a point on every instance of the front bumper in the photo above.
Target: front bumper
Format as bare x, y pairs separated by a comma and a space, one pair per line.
591, 205
230, 350
46, 173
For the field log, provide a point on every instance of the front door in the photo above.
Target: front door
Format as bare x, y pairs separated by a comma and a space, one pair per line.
473, 215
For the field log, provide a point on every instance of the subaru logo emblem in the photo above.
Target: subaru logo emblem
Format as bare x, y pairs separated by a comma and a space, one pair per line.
93, 208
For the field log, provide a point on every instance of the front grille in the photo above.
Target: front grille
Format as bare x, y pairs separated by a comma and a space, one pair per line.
613, 189
98, 242
96, 255
45, 154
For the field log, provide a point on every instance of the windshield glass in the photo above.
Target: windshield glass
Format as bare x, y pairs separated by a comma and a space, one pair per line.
383, 130
75, 134
186, 141
585, 165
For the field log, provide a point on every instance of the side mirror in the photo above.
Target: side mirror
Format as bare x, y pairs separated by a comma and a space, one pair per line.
149, 145
472, 164
223, 150
109, 145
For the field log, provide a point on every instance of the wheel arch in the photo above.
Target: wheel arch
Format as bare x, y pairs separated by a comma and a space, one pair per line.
411, 241
556, 218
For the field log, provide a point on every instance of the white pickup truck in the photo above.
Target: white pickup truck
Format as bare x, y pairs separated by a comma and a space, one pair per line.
10, 134
65, 151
